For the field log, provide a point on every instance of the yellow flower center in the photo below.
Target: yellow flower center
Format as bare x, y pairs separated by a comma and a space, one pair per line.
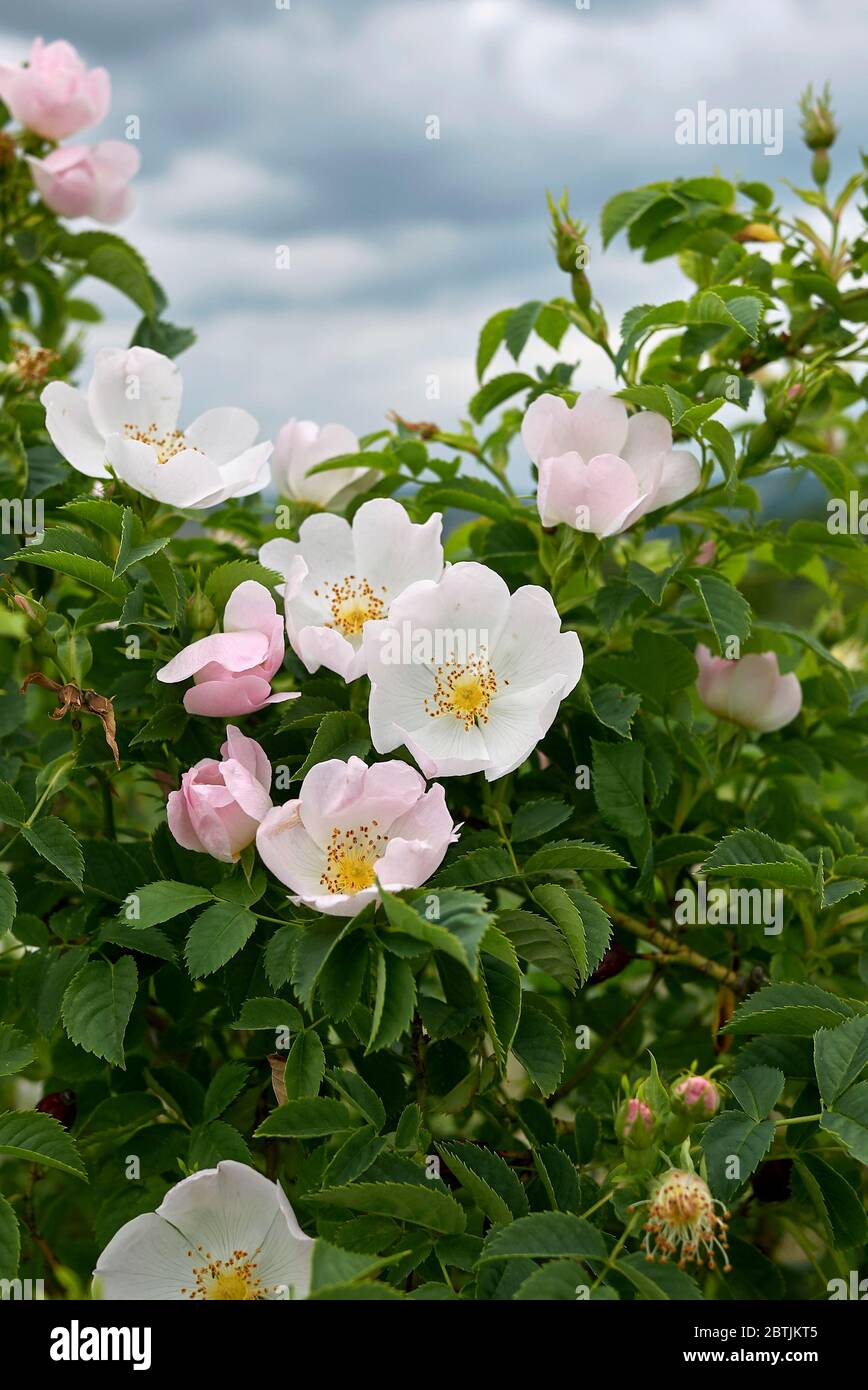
166, 446
352, 602
351, 857
464, 689
232, 1279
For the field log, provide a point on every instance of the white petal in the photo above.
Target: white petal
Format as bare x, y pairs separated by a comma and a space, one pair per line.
516, 724
186, 480
391, 550
247, 474
222, 433
72, 431
223, 1209
532, 648
146, 1259
680, 476
599, 424
134, 386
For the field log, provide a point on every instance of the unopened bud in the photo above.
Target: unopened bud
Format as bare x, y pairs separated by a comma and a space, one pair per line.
696, 1097
635, 1123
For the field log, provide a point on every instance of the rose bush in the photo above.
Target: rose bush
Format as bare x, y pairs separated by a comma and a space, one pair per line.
463, 1026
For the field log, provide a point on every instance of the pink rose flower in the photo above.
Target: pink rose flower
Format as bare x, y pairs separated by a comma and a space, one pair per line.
750, 691
87, 181
55, 95
353, 828
220, 804
232, 670
599, 471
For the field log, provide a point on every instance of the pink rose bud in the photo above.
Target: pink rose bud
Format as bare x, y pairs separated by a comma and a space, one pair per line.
750, 691
635, 1123
697, 1096
220, 805
705, 554
87, 181
232, 669
55, 95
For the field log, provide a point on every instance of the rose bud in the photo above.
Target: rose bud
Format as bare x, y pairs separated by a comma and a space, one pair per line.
55, 95
751, 691
696, 1097
635, 1123
220, 804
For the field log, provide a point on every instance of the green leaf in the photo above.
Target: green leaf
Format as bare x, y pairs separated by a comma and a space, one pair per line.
539, 1045
12, 810
224, 579
356, 1090
840, 1057
519, 327
224, 1086
841, 1206
340, 735
491, 1183
757, 1090
498, 390
848, 1120
160, 902
540, 943
615, 708
618, 786
534, 818
8, 903
728, 613
97, 1005
394, 1001
625, 208
94, 573
108, 257
354, 1157
545, 1235
216, 936
305, 1066
331, 1265
308, 1118
53, 839
491, 864
216, 1140
755, 855
10, 1241
268, 1013
574, 855
790, 1010
555, 900
38, 1138
409, 1202
734, 1135
457, 925
16, 1052
490, 339
500, 992
657, 1282
132, 549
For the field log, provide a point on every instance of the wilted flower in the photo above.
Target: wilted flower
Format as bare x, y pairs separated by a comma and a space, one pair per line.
220, 804
232, 669
598, 470
466, 675
353, 828
751, 691
300, 446
684, 1220
88, 180
55, 95
340, 577
224, 1233
128, 419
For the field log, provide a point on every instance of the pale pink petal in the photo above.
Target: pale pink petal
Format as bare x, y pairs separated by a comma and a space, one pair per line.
72, 431
235, 651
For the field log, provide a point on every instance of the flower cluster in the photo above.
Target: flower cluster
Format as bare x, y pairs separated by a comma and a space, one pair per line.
56, 96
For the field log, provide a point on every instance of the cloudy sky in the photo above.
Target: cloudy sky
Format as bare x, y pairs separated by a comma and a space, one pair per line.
302, 123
